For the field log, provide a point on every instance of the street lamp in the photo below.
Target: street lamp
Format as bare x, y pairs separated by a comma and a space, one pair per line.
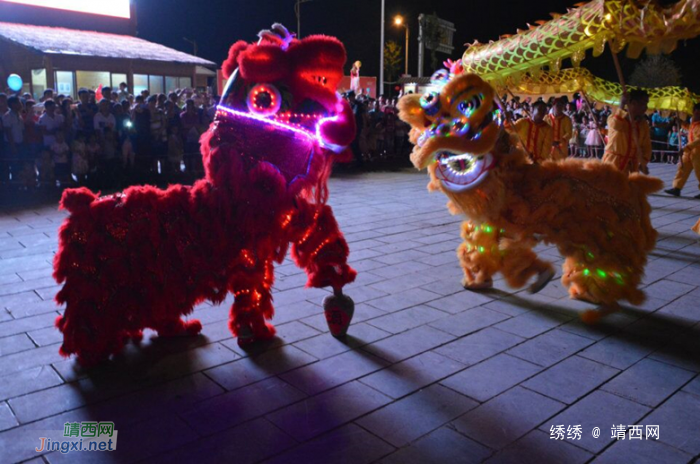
398, 20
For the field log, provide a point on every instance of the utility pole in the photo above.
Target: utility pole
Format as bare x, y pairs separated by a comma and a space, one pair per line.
381, 57
297, 11
421, 45
194, 45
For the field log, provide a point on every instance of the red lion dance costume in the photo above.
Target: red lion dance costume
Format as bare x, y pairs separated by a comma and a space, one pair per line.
145, 257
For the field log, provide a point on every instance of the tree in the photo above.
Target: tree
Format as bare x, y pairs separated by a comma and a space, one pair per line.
393, 58
656, 71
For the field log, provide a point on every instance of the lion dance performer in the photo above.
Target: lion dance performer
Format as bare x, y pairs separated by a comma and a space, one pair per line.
144, 257
535, 134
690, 158
562, 129
629, 139
597, 215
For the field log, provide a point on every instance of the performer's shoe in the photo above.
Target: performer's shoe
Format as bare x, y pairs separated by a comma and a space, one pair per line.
485, 285
587, 297
246, 337
674, 191
593, 316
542, 280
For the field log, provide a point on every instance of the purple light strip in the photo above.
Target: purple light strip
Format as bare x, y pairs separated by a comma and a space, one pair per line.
312, 137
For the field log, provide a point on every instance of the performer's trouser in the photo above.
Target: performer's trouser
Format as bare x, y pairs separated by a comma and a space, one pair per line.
562, 152
623, 163
690, 161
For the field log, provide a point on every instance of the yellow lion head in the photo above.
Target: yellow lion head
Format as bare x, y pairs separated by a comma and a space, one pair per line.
454, 129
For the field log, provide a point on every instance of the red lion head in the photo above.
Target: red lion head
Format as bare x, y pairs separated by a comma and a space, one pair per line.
280, 113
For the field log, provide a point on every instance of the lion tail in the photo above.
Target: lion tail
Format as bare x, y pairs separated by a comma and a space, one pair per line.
646, 184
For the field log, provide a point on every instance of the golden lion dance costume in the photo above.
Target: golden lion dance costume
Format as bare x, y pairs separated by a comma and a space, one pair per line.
596, 215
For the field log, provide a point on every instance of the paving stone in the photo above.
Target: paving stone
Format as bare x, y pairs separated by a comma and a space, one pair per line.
668, 289
324, 346
571, 379
648, 382
599, 409
441, 446
17, 326
334, 371
406, 319
460, 302
143, 440
7, 419
619, 351
469, 321
249, 443
413, 374
14, 344
28, 380
408, 344
685, 307
536, 447
19, 311
258, 367
550, 347
642, 452
416, 415
348, 444
482, 345
507, 417
684, 352
693, 387
240, 405
678, 420
311, 417
491, 377
29, 359
533, 323
403, 300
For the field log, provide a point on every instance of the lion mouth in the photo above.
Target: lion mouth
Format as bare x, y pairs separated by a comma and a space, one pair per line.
462, 171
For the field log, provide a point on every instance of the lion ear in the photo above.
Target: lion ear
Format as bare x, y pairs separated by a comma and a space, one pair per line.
411, 112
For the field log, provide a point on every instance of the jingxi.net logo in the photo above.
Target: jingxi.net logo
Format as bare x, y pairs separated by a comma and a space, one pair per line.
80, 436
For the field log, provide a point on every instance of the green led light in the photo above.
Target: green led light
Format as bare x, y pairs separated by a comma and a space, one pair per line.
586, 272
590, 255
481, 249
601, 273
488, 229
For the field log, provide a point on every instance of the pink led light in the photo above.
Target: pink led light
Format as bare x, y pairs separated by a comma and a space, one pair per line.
312, 137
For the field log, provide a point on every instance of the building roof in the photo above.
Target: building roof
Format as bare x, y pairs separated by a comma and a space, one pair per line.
61, 41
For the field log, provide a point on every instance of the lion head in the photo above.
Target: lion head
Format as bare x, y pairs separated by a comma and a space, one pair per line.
454, 128
280, 115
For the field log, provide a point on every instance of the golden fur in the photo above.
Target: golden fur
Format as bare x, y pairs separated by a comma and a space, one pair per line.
596, 215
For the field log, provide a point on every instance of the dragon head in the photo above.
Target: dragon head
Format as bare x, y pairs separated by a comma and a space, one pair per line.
454, 128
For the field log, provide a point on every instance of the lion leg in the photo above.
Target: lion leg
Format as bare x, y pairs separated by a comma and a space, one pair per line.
253, 306
175, 327
520, 264
479, 255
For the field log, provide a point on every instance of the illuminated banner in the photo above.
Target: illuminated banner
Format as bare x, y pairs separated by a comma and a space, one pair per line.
116, 8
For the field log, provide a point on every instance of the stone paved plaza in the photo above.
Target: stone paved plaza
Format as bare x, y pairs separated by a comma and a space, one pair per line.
429, 373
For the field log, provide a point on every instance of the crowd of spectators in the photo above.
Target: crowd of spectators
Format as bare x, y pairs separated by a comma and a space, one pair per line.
106, 139
668, 130
110, 138
381, 135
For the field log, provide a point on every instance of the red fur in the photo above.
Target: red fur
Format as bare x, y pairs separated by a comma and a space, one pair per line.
145, 257
231, 62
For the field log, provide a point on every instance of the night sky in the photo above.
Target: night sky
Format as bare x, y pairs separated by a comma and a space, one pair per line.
216, 24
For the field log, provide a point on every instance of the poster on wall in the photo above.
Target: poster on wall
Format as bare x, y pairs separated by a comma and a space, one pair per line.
115, 8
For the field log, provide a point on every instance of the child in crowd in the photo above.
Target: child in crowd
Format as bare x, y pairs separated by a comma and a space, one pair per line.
128, 154
80, 164
94, 152
176, 150
61, 152
46, 167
